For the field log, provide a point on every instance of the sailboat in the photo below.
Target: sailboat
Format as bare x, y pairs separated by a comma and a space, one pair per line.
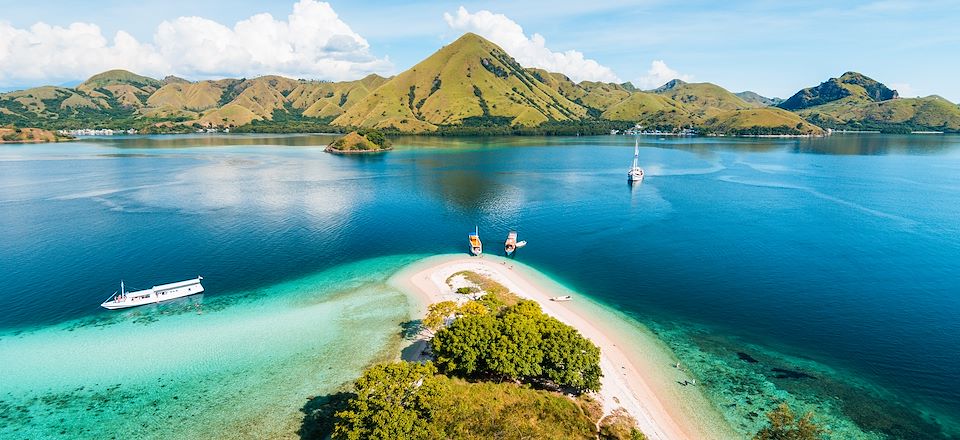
476, 247
153, 295
636, 173
511, 244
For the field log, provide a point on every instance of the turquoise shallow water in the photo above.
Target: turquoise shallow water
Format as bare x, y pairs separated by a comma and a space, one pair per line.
243, 363
831, 262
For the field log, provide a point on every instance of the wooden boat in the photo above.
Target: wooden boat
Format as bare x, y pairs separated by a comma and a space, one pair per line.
153, 295
562, 298
511, 244
476, 247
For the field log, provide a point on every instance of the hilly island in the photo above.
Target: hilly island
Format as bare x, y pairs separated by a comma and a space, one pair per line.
470, 86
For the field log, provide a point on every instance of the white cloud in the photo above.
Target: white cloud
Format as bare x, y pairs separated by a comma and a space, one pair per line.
312, 42
659, 74
528, 51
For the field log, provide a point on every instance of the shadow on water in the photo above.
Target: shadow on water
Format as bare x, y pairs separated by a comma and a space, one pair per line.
318, 414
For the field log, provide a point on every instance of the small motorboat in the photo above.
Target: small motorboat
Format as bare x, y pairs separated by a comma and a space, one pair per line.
476, 247
521, 243
562, 298
511, 244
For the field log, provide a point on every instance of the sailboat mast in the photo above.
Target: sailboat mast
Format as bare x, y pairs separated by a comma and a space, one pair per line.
636, 151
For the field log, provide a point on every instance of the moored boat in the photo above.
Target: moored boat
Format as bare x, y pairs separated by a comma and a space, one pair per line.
562, 298
153, 295
511, 244
476, 247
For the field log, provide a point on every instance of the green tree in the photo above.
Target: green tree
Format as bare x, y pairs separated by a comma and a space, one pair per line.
437, 313
393, 401
515, 352
463, 347
472, 308
784, 425
569, 358
521, 342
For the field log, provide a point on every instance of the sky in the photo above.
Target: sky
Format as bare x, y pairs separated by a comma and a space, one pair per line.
771, 47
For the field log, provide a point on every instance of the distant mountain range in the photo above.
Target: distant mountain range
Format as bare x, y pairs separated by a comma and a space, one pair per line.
468, 86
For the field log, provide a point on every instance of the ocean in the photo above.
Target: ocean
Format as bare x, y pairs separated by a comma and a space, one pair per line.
820, 272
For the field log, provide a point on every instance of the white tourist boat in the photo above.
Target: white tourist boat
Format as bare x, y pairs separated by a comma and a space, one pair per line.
562, 298
153, 295
636, 173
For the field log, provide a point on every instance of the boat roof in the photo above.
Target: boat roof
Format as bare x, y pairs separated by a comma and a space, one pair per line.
177, 284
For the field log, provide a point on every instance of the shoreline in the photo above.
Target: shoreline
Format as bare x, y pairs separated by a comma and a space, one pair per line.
639, 371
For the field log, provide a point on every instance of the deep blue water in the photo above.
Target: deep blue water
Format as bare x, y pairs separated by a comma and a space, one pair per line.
843, 250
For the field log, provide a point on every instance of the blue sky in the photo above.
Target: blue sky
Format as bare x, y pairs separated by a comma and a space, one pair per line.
772, 47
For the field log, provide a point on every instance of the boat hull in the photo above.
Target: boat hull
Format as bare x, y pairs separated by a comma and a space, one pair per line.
156, 294
476, 246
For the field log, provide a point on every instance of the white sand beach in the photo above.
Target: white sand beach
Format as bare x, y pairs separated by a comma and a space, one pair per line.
639, 373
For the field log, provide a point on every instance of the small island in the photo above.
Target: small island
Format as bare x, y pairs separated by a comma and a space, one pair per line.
360, 142
491, 356
16, 135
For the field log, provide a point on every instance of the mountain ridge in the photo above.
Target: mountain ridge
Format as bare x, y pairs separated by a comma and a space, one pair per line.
470, 85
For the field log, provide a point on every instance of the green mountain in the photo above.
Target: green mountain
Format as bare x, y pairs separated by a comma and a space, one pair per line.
709, 107
856, 102
121, 99
468, 81
468, 86
893, 116
851, 86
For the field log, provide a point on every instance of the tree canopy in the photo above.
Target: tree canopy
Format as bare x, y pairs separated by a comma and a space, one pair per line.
519, 343
407, 401
395, 401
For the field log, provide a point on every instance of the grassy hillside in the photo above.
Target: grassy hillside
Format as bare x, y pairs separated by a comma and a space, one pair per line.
470, 86
470, 78
851, 86
761, 121
651, 110
12, 135
707, 107
857, 102
703, 100
365, 141
119, 77
895, 115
